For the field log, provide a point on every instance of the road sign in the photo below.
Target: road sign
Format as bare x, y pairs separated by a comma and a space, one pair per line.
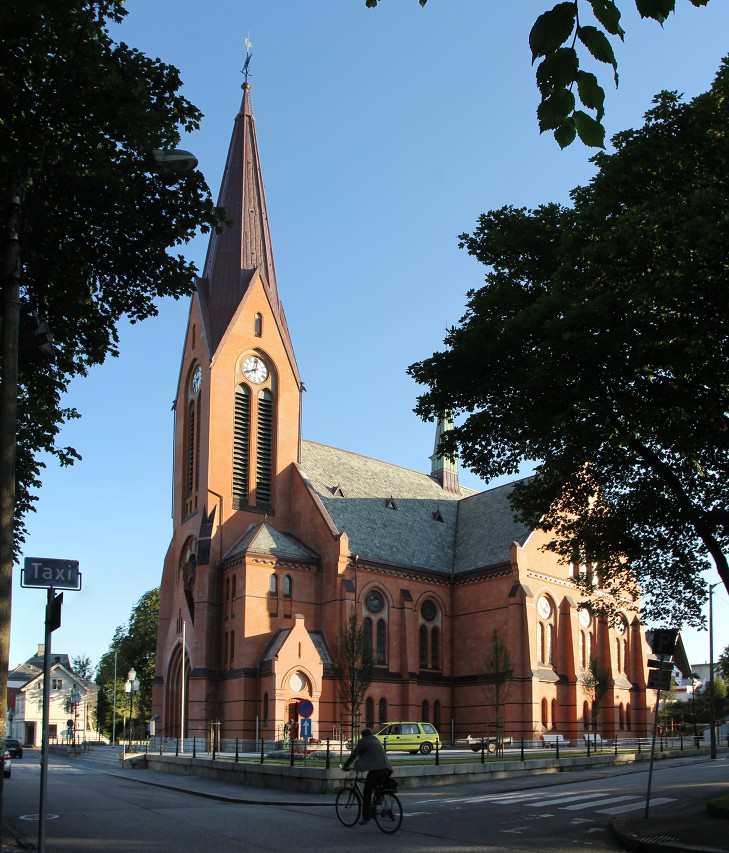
659, 680
306, 708
661, 664
305, 727
46, 573
664, 641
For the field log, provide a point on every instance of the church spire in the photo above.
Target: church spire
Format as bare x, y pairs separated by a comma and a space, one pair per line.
444, 469
243, 250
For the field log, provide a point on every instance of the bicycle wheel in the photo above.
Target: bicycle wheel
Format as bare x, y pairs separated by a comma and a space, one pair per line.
388, 813
349, 805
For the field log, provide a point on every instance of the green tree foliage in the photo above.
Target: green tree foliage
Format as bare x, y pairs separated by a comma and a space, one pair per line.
557, 40
353, 666
497, 677
599, 347
723, 664
82, 666
595, 682
135, 647
79, 118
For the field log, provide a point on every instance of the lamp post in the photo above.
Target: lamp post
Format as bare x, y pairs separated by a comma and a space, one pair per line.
75, 699
130, 686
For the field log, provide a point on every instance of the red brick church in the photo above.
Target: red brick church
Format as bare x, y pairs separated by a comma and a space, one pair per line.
277, 538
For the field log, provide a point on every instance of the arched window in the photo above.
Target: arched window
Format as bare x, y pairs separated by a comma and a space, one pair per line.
583, 661
626, 667
287, 586
227, 591
190, 450
618, 647
241, 446
435, 648
382, 712
545, 713
232, 595
264, 448
225, 650
423, 646
273, 585
381, 650
257, 325
425, 711
370, 713
550, 644
628, 721
541, 642
367, 631
555, 717
436, 713
232, 647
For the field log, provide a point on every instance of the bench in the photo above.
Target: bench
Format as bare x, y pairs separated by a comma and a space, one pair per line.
554, 739
594, 740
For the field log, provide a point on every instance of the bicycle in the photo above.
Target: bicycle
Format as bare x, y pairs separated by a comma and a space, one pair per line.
386, 807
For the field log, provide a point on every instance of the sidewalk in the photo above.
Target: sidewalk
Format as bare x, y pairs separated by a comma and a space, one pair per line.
688, 828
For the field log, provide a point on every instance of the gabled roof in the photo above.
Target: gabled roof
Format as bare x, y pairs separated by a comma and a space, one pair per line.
263, 539
55, 668
33, 667
401, 517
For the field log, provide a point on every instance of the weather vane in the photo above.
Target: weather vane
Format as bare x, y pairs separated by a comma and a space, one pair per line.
246, 64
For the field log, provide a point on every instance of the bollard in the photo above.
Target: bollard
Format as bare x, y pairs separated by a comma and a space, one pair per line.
194, 748
588, 744
328, 762
177, 747
160, 746
437, 754
262, 743
522, 749
680, 734
291, 760
638, 746
213, 749
556, 743
616, 744
236, 750
483, 757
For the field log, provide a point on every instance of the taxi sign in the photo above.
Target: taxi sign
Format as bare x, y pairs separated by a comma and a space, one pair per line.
49, 573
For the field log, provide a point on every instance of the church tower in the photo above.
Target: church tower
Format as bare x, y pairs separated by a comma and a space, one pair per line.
237, 421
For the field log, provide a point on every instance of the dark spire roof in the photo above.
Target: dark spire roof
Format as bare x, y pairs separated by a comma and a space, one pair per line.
444, 469
238, 253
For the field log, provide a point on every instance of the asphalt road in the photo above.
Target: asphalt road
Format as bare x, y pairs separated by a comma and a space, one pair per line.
95, 808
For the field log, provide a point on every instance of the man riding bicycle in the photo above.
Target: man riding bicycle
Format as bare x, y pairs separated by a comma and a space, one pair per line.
369, 754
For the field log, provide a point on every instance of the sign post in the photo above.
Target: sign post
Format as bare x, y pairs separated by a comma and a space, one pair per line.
49, 574
663, 644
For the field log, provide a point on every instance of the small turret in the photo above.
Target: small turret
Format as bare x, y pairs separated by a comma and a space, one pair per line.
444, 469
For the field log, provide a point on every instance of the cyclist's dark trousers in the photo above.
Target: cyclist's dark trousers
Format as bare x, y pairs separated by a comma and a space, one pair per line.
374, 777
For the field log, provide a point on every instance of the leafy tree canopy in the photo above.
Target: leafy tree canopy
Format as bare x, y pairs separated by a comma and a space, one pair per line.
723, 664
135, 647
353, 666
79, 118
82, 666
599, 346
557, 40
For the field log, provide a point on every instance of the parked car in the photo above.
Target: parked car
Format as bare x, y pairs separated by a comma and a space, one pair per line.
7, 765
410, 736
14, 747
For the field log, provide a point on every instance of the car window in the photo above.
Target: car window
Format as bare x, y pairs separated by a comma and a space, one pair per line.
394, 730
410, 729
429, 730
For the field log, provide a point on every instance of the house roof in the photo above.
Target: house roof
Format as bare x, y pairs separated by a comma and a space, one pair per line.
33, 667
265, 539
398, 516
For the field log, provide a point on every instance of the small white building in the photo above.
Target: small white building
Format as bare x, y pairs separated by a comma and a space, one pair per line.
72, 709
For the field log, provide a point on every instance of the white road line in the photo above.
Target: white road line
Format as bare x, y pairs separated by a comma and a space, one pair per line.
591, 805
633, 807
557, 801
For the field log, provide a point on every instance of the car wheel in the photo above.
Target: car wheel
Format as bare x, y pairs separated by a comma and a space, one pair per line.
492, 747
426, 748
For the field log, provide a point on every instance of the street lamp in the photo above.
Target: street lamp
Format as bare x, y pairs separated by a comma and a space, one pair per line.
130, 686
712, 707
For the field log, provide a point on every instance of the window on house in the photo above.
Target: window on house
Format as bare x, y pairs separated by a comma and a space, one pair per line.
241, 446
381, 650
287, 586
423, 644
232, 647
273, 585
257, 325
265, 708
435, 648
555, 717
370, 713
190, 454
56, 684
545, 716
264, 458
367, 631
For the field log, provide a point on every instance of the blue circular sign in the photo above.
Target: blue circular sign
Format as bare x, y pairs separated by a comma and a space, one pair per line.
306, 708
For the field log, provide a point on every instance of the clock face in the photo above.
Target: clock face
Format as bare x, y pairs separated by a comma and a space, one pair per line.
429, 610
374, 601
620, 625
544, 607
254, 369
585, 618
196, 379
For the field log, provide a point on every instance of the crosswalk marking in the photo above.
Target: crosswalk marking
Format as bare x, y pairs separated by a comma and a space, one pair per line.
571, 795
576, 807
659, 801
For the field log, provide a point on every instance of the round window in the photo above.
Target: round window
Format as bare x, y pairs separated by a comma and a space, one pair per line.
297, 682
429, 610
374, 601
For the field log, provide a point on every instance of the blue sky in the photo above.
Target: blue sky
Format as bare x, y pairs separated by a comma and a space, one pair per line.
383, 135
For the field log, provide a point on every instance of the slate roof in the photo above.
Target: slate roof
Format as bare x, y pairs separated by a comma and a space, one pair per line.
392, 515
264, 539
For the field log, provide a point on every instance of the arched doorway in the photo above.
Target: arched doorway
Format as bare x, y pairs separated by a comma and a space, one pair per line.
171, 723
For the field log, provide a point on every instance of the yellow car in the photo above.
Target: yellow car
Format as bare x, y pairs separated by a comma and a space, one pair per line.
409, 737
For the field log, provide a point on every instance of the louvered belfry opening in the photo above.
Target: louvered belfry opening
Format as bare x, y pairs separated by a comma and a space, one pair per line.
190, 456
241, 446
264, 447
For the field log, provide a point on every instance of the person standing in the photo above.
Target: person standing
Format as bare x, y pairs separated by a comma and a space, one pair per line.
369, 754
